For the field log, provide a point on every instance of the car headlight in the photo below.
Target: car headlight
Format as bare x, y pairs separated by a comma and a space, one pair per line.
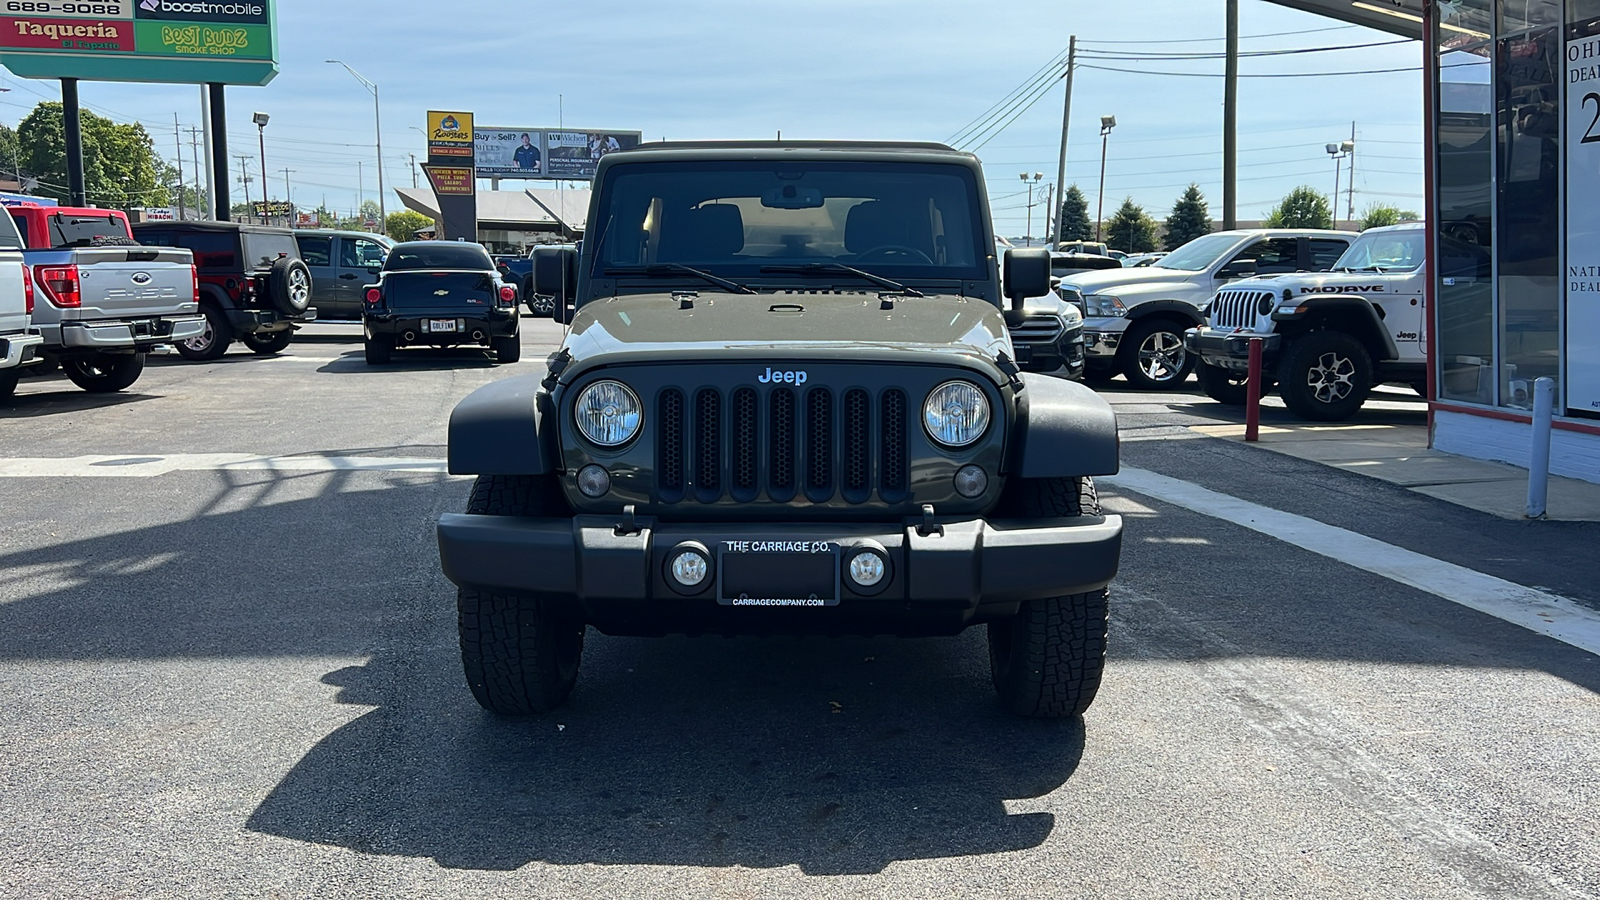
1104, 305
608, 413
956, 414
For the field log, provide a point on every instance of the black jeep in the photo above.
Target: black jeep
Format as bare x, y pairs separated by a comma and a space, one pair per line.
787, 404
253, 285
440, 294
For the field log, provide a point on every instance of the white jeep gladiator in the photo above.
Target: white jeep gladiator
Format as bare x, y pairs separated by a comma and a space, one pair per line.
19, 343
1327, 339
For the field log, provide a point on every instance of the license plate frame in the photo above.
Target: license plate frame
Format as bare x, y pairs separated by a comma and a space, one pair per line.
439, 326
809, 571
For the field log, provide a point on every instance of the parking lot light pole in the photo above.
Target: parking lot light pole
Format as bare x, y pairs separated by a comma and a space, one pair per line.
260, 119
377, 123
1037, 177
1339, 152
1106, 124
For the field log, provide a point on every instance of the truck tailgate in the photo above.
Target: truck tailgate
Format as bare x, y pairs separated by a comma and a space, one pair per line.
134, 282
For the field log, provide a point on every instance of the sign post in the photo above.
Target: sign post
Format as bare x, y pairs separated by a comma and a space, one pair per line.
450, 171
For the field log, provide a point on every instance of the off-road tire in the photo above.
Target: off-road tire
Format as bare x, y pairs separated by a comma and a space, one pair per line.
1169, 333
267, 344
507, 349
1325, 376
289, 286
213, 342
104, 373
1047, 661
520, 656
379, 349
1225, 386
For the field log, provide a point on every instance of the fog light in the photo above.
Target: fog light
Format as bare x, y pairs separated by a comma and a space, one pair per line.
689, 568
594, 481
867, 569
971, 481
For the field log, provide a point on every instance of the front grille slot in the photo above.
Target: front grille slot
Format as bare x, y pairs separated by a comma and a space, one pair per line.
669, 448
785, 444
708, 438
1038, 330
1237, 309
746, 437
893, 477
857, 475
819, 444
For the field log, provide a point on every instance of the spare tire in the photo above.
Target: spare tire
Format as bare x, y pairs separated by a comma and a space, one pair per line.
289, 286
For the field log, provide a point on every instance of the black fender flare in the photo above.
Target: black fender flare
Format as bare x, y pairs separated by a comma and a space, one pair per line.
499, 429
1064, 430
1346, 304
1186, 311
214, 294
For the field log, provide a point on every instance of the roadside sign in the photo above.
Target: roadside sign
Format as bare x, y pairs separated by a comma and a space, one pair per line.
271, 209
449, 134
544, 153
450, 166
168, 41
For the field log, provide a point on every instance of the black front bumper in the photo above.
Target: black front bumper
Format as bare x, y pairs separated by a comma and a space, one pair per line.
1229, 349
615, 578
1066, 352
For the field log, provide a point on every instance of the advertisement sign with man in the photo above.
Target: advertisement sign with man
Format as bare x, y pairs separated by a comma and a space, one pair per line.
573, 155
509, 152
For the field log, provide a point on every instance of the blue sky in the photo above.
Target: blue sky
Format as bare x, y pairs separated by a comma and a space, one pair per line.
820, 69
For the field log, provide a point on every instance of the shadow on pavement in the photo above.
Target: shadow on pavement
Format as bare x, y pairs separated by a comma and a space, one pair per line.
61, 397
412, 360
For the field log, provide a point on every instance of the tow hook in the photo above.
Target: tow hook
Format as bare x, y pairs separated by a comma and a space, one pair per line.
630, 522
929, 527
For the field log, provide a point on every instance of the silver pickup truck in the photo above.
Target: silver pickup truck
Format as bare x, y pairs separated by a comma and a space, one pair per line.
103, 301
19, 343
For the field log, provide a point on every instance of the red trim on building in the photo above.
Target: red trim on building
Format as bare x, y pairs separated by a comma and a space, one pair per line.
1507, 416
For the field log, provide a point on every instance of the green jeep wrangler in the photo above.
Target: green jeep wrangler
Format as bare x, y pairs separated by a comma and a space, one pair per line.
787, 403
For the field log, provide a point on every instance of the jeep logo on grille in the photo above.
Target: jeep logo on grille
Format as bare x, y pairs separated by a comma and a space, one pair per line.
141, 278
773, 376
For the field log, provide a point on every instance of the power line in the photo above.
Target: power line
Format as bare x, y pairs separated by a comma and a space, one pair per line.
1175, 57
1242, 37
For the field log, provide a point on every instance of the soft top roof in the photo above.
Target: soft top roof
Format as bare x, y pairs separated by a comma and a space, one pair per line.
220, 227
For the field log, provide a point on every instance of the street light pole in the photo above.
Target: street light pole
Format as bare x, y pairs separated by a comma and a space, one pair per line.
1106, 124
1037, 177
377, 123
260, 119
1339, 152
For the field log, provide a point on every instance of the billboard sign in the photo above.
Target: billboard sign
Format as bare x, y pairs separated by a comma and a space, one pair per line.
171, 41
546, 153
449, 134
271, 209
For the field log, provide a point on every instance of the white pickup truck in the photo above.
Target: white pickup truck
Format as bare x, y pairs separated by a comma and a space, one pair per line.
1328, 338
103, 301
19, 343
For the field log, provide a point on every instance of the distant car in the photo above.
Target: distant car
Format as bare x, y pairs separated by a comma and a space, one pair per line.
1140, 260
440, 294
519, 271
342, 263
1062, 264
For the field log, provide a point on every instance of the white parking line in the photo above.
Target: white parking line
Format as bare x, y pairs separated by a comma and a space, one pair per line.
1548, 614
134, 466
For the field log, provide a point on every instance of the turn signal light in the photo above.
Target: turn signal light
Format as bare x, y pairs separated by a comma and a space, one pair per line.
374, 295
60, 285
27, 290
194, 276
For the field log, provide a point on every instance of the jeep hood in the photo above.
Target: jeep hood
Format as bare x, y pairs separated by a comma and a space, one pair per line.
771, 326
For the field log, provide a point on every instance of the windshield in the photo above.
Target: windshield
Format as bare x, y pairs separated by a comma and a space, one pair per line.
1387, 251
1199, 254
459, 255
899, 220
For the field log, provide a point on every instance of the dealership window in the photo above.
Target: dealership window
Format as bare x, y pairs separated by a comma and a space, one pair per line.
1465, 167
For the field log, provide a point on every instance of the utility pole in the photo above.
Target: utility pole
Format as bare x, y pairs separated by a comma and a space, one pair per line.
194, 148
361, 188
177, 140
1352, 187
1230, 124
288, 196
413, 171
1066, 120
244, 177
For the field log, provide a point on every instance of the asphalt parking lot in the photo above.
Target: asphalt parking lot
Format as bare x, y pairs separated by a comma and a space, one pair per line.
231, 669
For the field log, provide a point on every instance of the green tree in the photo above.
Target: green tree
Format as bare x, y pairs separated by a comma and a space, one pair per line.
1191, 218
1304, 207
369, 210
403, 225
1075, 224
10, 153
1130, 230
1377, 216
120, 166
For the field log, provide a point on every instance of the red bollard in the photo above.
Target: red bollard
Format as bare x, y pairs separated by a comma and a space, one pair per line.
1252, 395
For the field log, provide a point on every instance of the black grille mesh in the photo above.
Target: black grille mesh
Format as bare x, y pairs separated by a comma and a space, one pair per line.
784, 443
857, 442
669, 452
708, 437
819, 446
893, 476
746, 440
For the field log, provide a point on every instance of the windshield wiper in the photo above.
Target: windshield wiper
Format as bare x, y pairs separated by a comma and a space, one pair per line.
842, 269
661, 270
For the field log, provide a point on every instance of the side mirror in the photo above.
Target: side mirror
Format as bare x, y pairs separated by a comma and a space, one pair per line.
1024, 274
555, 272
1239, 268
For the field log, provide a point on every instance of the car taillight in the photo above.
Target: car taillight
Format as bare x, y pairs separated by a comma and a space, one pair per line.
27, 289
508, 295
194, 276
374, 295
60, 285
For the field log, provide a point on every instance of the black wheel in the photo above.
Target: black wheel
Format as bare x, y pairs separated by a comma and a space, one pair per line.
211, 343
379, 348
1226, 386
104, 373
1046, 662
520, 655
1325, 376
289, 285
8, 383
508, 349
1152, 356
268, 344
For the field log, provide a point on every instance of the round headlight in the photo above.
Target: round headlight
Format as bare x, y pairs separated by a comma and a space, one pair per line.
608, 413
956, 414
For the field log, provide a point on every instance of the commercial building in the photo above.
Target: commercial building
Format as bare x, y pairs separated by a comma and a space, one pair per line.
512, 221
1512, 99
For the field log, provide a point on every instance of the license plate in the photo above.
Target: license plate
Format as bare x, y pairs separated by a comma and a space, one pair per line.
438, 325
778, 573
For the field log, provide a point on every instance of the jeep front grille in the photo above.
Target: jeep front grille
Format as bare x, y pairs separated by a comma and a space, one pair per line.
1237, 309
815, 445
1038, 331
